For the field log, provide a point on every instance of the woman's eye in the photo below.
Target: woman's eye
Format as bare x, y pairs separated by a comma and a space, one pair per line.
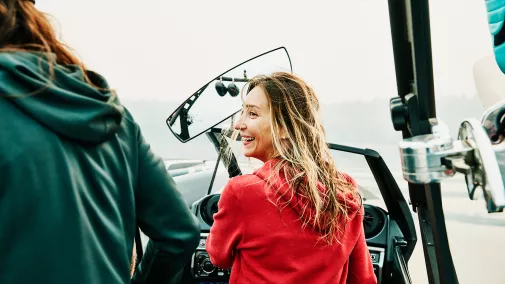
252, 113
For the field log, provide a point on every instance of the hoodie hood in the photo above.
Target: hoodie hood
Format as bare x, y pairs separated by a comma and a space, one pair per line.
297, 202
65, 104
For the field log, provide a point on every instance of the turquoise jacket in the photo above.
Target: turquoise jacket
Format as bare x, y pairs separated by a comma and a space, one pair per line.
76, 176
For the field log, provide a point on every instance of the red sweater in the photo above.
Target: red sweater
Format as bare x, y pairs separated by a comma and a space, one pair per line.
266, 244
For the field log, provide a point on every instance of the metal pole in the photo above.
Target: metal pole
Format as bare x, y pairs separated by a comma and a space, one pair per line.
410, 30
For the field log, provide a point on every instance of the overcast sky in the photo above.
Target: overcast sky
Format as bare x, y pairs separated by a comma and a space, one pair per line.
165, 50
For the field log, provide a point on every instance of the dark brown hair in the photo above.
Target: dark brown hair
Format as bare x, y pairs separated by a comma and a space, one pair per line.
24, 28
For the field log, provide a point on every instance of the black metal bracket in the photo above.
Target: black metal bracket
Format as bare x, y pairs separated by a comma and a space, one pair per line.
405, 115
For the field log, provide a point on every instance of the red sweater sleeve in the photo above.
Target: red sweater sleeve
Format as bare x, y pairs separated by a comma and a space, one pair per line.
226, 231
360, 263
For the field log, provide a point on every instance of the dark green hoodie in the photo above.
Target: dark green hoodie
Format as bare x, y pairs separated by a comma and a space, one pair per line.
75, 177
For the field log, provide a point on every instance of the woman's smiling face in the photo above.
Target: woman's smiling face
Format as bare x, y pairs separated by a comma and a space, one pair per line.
254, 125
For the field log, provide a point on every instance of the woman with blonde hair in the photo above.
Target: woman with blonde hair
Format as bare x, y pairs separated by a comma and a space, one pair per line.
76, 175
297, 219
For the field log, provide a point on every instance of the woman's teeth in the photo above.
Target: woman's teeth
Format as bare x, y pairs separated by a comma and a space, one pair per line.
247, 139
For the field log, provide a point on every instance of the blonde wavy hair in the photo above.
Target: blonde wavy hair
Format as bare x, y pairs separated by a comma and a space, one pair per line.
304, 157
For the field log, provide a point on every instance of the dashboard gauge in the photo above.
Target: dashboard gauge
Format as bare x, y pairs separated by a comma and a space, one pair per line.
209, 208
373, 221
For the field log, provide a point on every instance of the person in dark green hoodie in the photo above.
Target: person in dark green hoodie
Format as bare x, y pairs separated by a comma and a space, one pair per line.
76, 175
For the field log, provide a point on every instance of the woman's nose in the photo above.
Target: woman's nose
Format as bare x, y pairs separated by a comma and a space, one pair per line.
239, 125
236, 125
